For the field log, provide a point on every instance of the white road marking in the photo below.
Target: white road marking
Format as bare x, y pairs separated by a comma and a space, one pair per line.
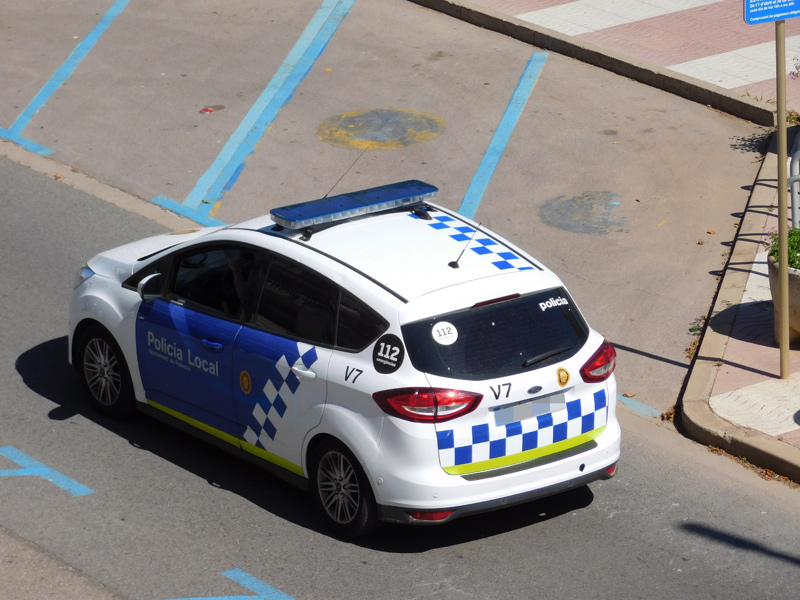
743, 66
586, 16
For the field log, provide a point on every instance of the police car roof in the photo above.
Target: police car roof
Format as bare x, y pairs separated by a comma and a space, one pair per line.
415, 256
413, 250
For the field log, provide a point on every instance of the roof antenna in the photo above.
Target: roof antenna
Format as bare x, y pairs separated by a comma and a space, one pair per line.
349, 168
454, 264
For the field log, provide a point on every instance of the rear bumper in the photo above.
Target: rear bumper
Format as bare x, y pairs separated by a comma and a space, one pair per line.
396, 514
425, 488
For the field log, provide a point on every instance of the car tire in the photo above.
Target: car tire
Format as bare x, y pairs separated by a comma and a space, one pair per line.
104, 373
342, 492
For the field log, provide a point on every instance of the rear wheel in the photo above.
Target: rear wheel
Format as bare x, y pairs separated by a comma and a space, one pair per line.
342, 492
105, 374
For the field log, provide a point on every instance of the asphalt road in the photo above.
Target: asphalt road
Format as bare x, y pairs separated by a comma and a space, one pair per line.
610, 183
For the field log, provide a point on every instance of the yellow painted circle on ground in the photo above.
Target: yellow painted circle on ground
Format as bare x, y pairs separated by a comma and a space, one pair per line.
380, 128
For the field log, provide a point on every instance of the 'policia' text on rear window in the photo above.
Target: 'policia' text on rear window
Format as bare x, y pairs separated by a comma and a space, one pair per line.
498, 339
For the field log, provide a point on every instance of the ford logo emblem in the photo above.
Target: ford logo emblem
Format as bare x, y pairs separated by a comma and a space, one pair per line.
535, 389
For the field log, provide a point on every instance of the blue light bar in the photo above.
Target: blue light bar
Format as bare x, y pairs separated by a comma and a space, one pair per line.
354, 204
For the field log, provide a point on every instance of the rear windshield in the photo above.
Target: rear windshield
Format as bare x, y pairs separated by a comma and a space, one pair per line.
498, 339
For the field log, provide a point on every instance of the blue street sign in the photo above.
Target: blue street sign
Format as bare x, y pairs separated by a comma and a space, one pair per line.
764, 11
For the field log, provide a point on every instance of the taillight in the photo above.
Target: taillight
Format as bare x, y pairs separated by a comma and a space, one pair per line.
436, 515
427, 405
601, 365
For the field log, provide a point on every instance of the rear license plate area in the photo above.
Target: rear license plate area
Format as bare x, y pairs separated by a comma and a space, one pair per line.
527, 409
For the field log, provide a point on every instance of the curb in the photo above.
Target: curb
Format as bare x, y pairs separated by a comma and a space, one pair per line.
89, 185
29, 572
743, 107
700, 422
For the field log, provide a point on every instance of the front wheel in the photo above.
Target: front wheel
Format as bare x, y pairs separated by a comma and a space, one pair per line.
342, 492
104, 373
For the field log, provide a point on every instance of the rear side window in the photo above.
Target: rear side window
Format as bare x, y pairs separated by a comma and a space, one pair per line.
298, 302
358, 325
498, 339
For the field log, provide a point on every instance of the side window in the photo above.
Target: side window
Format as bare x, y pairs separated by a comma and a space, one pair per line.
214, 278
358, 324
295, 301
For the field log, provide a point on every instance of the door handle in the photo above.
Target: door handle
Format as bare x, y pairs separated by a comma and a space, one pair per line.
304, 373
213, 346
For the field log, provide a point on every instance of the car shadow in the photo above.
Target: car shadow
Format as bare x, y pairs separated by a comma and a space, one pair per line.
59, 383
45, 370
404, 539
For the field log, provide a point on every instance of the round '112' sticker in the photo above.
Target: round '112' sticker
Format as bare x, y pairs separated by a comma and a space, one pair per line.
388, 354
444, 333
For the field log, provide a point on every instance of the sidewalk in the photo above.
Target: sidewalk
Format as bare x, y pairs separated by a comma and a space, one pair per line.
734, 398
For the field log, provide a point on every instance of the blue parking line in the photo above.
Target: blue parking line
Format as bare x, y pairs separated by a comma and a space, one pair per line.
263, 591
14, 133
528, 79
31, 466
638, 407
203, 201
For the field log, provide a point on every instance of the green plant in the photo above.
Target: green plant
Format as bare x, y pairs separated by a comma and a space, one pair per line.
793, 247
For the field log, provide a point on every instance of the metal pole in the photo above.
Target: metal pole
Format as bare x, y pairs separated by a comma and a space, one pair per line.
783, 233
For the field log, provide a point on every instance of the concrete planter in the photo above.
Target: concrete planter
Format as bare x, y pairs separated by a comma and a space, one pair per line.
794, 299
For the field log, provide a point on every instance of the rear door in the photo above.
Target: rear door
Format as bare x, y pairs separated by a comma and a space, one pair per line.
280, 363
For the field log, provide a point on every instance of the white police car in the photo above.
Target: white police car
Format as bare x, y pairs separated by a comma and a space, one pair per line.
398, 360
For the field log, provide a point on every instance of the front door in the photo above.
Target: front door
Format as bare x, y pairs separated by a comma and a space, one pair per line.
185, 360
185, 340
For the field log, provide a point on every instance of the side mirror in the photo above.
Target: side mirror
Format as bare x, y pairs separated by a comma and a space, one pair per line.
149, 288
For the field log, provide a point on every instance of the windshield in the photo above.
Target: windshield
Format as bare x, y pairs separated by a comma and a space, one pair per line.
498, 339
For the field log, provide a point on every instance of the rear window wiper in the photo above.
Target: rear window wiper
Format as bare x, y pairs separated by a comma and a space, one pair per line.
545, 355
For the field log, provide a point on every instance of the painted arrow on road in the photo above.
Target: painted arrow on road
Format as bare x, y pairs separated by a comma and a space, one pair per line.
263, 591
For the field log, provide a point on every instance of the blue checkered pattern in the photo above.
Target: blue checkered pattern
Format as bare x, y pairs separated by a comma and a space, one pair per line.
281, 386
499, 255
468, 445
